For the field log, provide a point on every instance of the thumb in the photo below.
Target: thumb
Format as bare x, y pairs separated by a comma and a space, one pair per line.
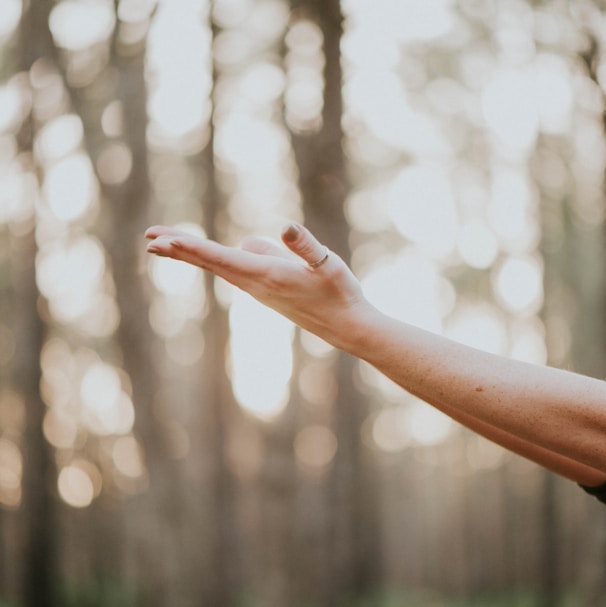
304, 244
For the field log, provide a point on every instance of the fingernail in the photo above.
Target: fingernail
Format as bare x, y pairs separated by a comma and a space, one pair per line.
176, 244
291, 232
153, 250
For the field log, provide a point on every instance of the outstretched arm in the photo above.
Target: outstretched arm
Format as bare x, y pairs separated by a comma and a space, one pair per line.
553, 417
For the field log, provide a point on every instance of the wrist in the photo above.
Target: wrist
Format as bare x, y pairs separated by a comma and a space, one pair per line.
356, 330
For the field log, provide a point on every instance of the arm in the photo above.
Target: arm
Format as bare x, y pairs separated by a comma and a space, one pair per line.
560, 464
554, 417
528, 405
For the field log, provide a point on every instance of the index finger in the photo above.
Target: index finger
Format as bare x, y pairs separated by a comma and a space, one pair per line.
160, 230
234, 265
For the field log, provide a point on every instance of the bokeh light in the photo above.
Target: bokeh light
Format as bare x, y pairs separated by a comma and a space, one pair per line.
260, 356
11, 469
179, 71
106, 408
421, 205
9, 16
428, 426
79, 24
60, 137
509, 108
410, 289
11, 105
70, 188
78, 483
304, 98
70, 275
519, 284
315, 448
477, 245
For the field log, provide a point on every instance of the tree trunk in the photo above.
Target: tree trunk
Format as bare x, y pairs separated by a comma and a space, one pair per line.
215, 411
351, 544
39, 503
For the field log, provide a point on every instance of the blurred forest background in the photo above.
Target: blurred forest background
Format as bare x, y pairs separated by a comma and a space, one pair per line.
165, 441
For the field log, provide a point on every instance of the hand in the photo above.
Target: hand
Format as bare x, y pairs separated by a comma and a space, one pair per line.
325, 299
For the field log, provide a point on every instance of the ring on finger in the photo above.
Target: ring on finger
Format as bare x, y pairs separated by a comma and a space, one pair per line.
321, 260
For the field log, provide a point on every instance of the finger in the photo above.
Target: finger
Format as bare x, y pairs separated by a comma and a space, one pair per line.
303, 243
262, 246
158, 231
234, 265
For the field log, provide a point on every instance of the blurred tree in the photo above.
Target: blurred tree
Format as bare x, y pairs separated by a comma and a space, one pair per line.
120, 159
205, 532
214, 408
39, 504
351, 549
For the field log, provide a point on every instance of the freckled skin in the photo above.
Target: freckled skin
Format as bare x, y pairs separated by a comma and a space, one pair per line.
553, 417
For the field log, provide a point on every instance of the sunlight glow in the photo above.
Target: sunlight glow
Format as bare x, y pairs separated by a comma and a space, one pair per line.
428, 426
379, 100
407, 22
518, 283
112, 119
114, 163
304, 96
60, 428
422, 208
261, 356
18, 191
106, 408
179, 72
262, 83
395, 428
315, 448
366, 209
173, 277
69, 275
480, 326
11, 470
9, 17
79, 24
101, 317
75, 484
528, 342
238, 140
410, 289
70, 188
390, 429
128, 457
509, 108
59, 137
58, 370
11, 106
554, 93
477, 245
135, 11
231, 13
511, 210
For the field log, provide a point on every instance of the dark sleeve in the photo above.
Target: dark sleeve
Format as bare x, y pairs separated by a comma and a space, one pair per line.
599, 492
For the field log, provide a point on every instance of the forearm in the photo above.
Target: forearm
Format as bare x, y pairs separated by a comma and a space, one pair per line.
560, 464
555, 410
